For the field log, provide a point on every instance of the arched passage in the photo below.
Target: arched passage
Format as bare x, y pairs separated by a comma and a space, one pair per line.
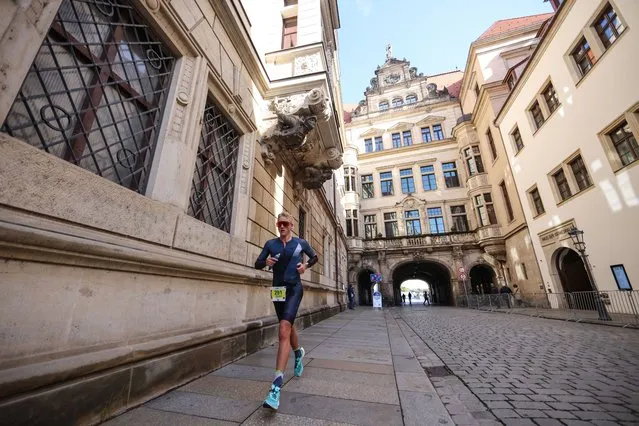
435, 274
571, 270
364, 287
483, 280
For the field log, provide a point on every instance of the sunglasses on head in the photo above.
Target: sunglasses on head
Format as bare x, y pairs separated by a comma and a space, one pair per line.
283, 223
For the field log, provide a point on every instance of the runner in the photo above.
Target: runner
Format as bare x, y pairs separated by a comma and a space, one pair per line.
284, 255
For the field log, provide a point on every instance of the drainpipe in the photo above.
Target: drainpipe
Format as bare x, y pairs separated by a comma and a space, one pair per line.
336, 245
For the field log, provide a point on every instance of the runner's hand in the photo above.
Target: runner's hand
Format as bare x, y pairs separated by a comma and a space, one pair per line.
301, 268
271, 261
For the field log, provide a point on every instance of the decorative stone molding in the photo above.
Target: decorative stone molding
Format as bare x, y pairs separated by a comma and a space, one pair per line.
307, 64
294, 136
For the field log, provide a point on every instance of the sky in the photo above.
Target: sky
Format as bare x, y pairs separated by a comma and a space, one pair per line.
433, 35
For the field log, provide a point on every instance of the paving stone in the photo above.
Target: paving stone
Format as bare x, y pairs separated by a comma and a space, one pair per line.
148, 417
498, 404
593, 415
414, 382
417, 406
352, 366
548, 422
556, 414
339, 389
267, 417
529, 405
406, 364
195, 404
518, 422
530, 413
229, 388
505, 413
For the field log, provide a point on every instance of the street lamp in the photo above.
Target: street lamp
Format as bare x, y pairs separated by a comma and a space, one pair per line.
577, 237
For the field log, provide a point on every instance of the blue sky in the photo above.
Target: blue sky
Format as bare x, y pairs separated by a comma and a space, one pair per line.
433, 35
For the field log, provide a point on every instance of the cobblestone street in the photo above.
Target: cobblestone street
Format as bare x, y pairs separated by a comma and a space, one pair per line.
527, 370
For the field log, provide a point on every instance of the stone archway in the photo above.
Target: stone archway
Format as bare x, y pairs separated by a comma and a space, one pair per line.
483, 279
434, 273
364, 287
571, 271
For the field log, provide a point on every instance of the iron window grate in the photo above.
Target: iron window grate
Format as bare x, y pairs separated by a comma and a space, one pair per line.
96, 90
214, 177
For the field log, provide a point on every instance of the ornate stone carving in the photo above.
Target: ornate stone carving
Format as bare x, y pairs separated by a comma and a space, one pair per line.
307, 64
392, 78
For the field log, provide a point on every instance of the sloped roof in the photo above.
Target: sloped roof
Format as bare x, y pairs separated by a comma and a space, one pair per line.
455, 88
507, 25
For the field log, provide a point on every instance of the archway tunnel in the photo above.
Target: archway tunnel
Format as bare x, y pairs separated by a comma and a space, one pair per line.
433, 273
364, 287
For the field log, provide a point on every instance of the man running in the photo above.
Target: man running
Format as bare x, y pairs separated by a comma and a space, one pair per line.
284, 255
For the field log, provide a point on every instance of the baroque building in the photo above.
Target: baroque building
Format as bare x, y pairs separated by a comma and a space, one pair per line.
146, 148
412, 205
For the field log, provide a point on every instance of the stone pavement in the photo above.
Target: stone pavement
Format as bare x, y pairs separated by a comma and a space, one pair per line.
529, 371
360, 369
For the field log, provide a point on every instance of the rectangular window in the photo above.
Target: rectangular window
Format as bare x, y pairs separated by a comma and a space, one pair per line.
450, 174
386, 181
491, 143
537, 115
408, 138
370, 226
349, 179
580, 173
301, 227
95, 94
390, 225
550, 96
511, 81
519, 143
509, 207
368, 145
426, 137
625, 143
289, 33
621, 277
428, 178
562, 185
473, 160
460, 221
367, 186
485, 209
379, 143
522, 274
609, 26
413, 224
583, 56
537, 202
435, 220
408, 184
438, 133
352, 228
397, 140
476, 89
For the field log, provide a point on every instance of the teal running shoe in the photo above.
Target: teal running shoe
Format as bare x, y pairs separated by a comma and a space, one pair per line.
299, 365
272, 401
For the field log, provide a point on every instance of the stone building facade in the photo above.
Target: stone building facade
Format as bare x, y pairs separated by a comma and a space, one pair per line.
146, 148
408, 190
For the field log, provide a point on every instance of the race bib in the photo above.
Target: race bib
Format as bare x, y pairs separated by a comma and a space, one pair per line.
278, 294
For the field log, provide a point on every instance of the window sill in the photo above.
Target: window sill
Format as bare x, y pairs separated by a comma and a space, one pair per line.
538, 215
575, 195
546, 120
583, 77
627, 166
518, 152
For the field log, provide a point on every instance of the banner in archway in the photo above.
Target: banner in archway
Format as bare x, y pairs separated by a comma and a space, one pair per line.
376, 278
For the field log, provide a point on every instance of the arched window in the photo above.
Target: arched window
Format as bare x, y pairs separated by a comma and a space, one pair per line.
398, 102
383, 105
411, 99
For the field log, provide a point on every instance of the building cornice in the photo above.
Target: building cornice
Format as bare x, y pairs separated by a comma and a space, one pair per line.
546, 39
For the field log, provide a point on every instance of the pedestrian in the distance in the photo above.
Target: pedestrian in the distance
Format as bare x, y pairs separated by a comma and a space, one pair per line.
403, 298
410, 298
284, 255
425, 297
351, 296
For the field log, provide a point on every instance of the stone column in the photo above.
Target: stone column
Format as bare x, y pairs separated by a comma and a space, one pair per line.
23, 27
458, 261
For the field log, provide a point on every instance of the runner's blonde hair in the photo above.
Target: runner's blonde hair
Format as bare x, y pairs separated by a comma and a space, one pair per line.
286, 215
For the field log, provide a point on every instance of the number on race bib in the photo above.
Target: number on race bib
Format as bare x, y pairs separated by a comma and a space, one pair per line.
278, 294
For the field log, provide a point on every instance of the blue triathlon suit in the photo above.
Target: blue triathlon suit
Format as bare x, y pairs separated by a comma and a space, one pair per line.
285, 272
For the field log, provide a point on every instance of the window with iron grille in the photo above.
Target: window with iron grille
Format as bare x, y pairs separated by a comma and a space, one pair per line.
301, 226
413, 224
289, 32
485, 209
428, 178
426, 137
562, 185
370, 226
96, 91
349, 179
397, 140
352, 225
379, 143
519, 143
406, 178
435, 220
473, 160
460, 221
509, 207
450, 174
583, 56
550, 95
580, 173
408, 138
609, 26
438, 133
368, 145
367, 186
537, 202
386, 181
491, 143
390, 224
215, 167
625, 143
537, 115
